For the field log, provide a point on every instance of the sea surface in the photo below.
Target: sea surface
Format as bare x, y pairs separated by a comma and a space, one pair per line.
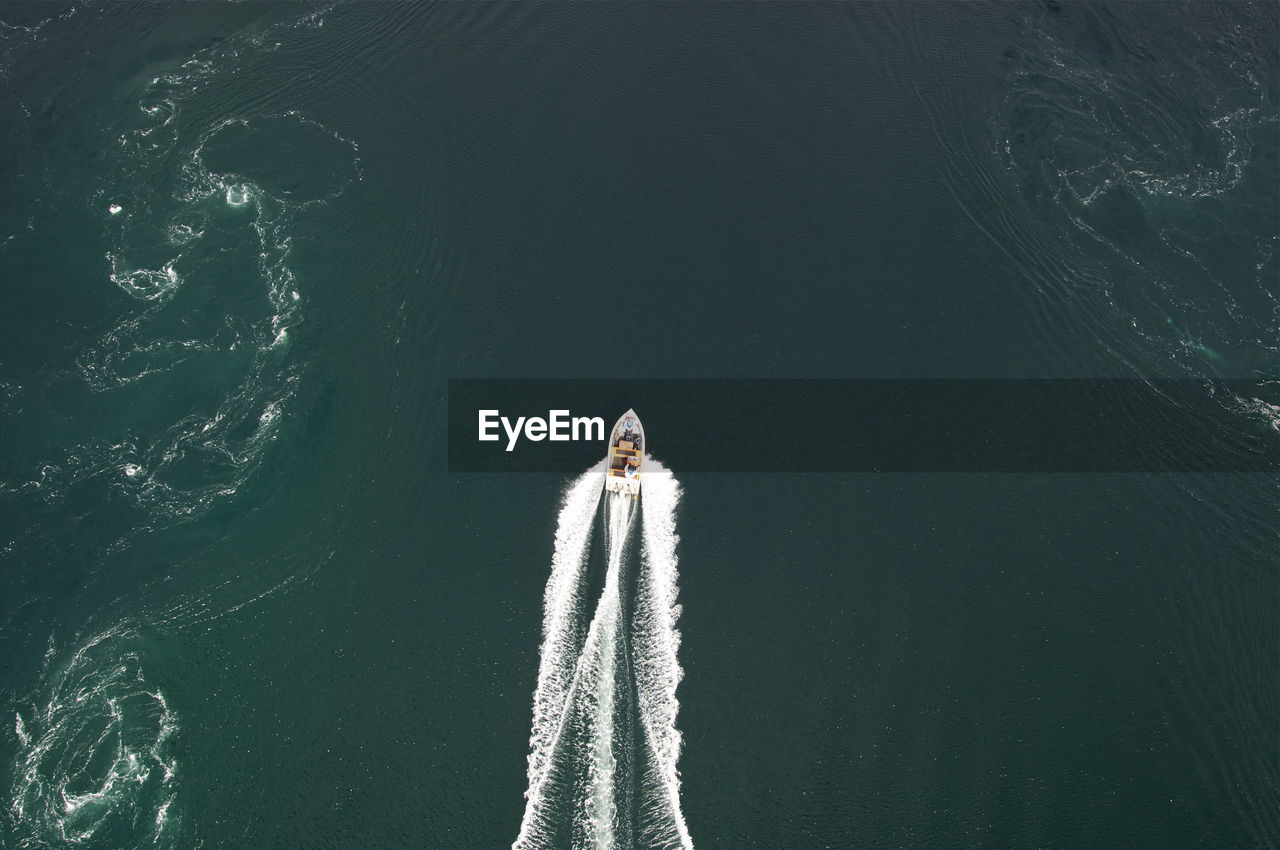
245, 603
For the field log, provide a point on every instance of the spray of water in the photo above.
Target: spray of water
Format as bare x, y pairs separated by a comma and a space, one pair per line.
657, 667
576, 787
561, 626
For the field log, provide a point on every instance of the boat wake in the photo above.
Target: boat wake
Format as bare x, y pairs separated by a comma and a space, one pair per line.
604, 748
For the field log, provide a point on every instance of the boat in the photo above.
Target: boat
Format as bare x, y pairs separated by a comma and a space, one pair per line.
626, 454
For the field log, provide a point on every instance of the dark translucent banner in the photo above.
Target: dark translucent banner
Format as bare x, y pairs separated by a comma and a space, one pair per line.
1123, 425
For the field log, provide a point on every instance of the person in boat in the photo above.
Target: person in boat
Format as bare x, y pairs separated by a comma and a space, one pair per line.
633, 468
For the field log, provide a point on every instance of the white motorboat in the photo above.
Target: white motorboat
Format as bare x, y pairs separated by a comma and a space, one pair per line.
626, 454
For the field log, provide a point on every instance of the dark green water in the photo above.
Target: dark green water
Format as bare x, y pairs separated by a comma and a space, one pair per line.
241, 604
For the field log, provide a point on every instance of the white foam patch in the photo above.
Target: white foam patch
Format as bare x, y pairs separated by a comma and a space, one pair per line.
182, 234
144, 284
95, 757
238, 195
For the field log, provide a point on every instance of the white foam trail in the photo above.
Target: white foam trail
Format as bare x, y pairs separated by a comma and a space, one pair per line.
561, 622
655, 644
603, 640
579, 689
